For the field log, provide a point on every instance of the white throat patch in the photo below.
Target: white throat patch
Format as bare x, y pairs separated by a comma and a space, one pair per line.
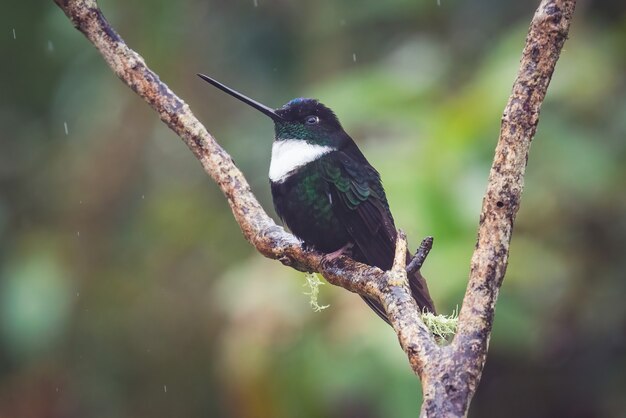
289, 154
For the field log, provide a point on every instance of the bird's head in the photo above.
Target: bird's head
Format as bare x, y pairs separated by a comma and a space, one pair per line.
300, 119
308, 120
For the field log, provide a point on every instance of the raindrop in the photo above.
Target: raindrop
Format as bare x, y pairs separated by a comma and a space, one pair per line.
354, 57
256, 3
438, 2
78, 233
165, 388
66, 130
14, 36
50, 46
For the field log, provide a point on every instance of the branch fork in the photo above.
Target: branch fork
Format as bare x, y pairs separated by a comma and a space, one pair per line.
450, 374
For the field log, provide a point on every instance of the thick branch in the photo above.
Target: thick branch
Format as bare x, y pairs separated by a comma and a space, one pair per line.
457, 375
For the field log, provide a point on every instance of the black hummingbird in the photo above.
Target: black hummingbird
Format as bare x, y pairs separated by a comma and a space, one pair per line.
326, 191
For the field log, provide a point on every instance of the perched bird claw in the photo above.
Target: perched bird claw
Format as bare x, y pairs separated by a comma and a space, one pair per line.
345, 250
286, 261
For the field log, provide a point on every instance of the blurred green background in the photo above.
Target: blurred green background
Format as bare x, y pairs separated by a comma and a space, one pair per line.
127, 290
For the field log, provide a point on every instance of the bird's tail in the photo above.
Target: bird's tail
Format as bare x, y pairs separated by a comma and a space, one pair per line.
419, 291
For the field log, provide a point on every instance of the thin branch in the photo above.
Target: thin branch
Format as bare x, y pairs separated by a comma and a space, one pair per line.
420, 255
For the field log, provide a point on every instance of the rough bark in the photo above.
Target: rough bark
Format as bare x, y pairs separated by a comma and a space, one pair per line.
463, 361
450, 374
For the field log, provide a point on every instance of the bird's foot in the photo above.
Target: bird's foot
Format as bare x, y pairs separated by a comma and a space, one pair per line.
345, 250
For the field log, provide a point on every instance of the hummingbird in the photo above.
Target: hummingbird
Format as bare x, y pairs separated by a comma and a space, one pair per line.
326, 192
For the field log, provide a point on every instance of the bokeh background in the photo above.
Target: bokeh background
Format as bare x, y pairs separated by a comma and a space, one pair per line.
127, 290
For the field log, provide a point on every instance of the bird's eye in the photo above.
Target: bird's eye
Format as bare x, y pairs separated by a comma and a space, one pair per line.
312, 120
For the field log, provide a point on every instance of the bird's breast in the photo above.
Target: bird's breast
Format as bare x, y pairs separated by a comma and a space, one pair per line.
304, 202
290, 154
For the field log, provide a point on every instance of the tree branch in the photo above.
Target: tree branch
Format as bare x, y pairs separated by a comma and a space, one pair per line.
258, 228
449, 374
420, 255
458, 373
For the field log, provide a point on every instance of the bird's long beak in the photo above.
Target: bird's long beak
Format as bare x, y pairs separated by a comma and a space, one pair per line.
258, 106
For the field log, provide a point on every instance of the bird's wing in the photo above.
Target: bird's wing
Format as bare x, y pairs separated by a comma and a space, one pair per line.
362, 206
